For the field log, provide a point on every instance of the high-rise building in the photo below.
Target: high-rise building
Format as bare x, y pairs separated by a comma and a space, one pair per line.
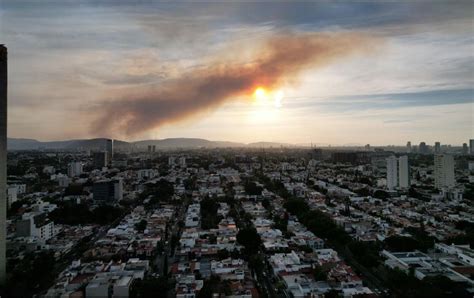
444, 171
3, 160
107, 191
35, 224
149, 148
403, 172
171, 161
465, 149
100, 159
74, 169
109, 147
437, 147
398, 172
182, 161
392, 172
408, 146
423, 149
471, 146
317, 154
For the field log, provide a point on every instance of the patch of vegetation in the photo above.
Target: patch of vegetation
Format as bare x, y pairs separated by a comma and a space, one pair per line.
80, 214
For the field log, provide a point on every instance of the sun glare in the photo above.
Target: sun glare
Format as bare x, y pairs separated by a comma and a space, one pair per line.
268, 98
266, 105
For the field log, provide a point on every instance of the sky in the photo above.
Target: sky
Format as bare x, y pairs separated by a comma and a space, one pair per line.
326, 72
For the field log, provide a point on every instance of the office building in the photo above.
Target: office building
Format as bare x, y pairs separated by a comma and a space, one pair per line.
437, 148
12, 195
403, 172
423, 149
171, 161
465, 149
3, 161
408, 146
350, 157
471, 146
109, 147
444, 171
182, 162
35, 225
107, 191
63, 180
100, 159
74, 169
392, 172
317, 154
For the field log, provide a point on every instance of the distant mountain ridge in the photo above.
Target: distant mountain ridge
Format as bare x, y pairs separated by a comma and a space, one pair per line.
186, 143
99, 144
32, 144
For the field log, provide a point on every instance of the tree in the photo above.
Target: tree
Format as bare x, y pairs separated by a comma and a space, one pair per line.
30, 275
150, 287
210, 287
366, 253
364, 192
266, 203
209, 218
141, 225
249, 238
320, 273
161, 191
401, 243
252, 189
79, 214
381, 194
74, 190
296, 206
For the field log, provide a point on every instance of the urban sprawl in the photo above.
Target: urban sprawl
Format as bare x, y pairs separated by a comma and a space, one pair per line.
241, 222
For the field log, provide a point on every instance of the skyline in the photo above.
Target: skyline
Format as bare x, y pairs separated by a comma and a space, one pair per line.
82, 58
25, 143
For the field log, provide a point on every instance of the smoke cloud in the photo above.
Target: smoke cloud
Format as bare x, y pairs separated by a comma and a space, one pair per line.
279, 59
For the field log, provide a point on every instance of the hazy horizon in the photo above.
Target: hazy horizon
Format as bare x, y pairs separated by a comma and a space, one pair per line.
302, 144
331, 73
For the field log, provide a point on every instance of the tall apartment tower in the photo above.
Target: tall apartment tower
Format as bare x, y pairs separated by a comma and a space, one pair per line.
437, 148
392, 172
100, 159
403, 172
465, 149
423, 149
471, 146
444, 171
408, 146
109, 147
3, 160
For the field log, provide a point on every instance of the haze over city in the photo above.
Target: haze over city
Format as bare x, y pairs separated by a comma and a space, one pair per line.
332, 73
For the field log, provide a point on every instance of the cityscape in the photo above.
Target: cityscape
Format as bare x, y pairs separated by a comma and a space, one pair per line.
143, 220
241, 150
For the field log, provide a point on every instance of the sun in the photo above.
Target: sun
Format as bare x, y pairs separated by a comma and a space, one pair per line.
266, 98
260, 95
267, 105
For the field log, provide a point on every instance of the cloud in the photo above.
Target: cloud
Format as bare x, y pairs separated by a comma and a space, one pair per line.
278, 60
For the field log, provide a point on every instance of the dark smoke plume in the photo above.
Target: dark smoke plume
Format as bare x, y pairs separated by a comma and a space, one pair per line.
278, 60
